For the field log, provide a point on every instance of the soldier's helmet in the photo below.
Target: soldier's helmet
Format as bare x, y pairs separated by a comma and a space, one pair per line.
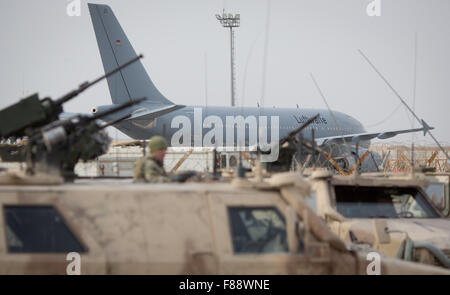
157, 143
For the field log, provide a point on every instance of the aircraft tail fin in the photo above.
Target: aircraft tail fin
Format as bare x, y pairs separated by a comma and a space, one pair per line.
115, 49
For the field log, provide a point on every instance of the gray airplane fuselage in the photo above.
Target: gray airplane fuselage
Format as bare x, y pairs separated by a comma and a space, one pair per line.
289, 119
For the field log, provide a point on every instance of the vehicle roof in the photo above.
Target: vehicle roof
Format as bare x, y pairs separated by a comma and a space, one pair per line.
370, 180
120, 184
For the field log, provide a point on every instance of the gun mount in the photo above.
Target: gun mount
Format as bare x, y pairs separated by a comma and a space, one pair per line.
57, 147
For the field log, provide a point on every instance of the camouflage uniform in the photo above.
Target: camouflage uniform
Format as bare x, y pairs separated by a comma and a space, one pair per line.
149, 169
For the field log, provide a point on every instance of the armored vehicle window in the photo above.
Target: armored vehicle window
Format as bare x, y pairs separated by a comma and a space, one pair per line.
382, 202
38, 229
436, 191
257, 230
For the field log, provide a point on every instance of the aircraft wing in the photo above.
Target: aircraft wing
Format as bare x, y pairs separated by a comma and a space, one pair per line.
356, 138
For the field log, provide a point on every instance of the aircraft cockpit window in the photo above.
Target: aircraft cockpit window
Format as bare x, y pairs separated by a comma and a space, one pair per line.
382, 202
38, 229
257, 230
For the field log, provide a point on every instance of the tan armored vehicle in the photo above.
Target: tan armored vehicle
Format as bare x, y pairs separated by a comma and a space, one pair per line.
198, 228
392, 215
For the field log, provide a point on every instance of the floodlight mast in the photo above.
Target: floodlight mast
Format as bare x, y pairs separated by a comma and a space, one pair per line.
230, 21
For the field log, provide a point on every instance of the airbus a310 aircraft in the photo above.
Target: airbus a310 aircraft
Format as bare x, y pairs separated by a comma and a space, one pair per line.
207, 126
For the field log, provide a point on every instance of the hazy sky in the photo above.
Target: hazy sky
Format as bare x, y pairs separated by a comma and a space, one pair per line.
44, 50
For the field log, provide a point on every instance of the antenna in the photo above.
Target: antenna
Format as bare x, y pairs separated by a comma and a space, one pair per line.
328, 107
333, 117
245, 70
426, 127
206, 83
414, 102
266, 45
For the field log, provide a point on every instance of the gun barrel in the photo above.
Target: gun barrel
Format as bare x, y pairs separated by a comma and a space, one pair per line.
299, 129
86, 85
86, 119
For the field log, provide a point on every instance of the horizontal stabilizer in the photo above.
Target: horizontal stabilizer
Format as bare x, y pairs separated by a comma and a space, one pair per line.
141, 116
144, 117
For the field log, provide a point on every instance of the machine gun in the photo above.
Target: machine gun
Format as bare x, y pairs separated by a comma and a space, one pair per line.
291, 145
57, 147
32, 112
54, 145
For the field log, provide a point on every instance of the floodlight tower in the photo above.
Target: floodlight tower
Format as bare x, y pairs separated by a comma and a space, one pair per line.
230, 21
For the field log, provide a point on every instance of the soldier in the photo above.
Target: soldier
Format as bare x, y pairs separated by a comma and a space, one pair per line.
151, 167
